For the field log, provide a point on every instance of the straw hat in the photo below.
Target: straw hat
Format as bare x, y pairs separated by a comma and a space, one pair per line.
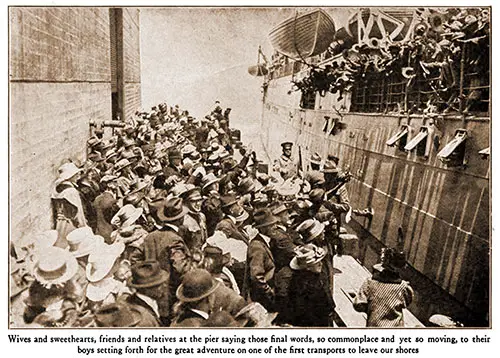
315, 159
55, 267
306, 256
67, 171
39, 241
310, 229
121, 164
82, 241
101, 260
126, 216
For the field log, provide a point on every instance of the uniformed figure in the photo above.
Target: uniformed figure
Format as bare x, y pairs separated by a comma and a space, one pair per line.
285, 164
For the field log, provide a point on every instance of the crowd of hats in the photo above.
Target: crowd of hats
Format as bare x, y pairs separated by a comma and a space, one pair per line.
433, 53
159, 165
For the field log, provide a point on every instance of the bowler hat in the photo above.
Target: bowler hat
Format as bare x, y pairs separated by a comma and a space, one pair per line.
172, 210
147, 274
264, 217
196, 285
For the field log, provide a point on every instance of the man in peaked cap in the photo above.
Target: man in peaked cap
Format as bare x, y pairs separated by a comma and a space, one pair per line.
175, 165
285, 165
195, 221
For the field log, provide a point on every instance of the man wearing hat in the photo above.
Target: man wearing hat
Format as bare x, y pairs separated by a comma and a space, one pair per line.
200, 294
234, 216
260, 267
285, 165
166, 245
195, 295
195, 221
211, 206
283, 246
336, 194
310, 300
151, 290
174, 166
106, 206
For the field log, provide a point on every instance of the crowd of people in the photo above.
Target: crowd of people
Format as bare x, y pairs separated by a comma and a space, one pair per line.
445, 43
172, 222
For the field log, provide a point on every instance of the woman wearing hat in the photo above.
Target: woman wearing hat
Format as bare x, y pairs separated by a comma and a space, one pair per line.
129, 232
67, 205
102, 264
309, 302
55, 294
384, 296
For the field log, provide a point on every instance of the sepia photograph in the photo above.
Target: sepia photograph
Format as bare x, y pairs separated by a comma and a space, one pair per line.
249, 167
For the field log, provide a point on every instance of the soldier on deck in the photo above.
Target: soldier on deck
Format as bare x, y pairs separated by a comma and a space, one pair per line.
285, 164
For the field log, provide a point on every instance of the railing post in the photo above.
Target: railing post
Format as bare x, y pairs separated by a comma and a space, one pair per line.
461, 84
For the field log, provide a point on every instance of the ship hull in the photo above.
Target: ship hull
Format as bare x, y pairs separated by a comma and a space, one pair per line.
444, 212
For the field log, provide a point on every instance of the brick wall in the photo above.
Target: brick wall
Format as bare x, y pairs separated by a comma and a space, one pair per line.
60, 44
49, 122
131, 61
60, 79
